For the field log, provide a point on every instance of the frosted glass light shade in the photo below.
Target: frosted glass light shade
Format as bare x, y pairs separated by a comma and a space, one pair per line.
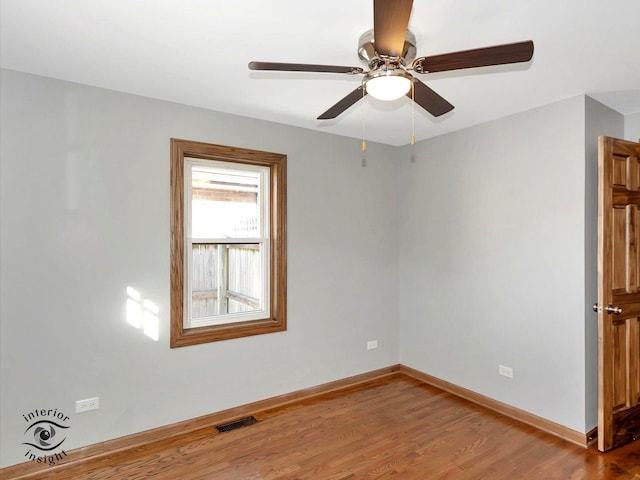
388, 87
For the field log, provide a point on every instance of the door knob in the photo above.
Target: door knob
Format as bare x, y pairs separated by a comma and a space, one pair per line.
614, 310
609, 309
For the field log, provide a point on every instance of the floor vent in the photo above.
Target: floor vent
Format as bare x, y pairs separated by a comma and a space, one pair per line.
243, 422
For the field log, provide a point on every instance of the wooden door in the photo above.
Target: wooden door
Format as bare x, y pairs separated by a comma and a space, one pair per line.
618, 292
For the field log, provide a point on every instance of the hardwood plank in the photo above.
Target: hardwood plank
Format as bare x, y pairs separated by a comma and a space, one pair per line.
130, 444
394, 426
502, 408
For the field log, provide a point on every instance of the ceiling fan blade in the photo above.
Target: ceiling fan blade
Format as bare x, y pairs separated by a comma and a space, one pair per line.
390, 22
343, 104
303, 67
479, 57
429, 100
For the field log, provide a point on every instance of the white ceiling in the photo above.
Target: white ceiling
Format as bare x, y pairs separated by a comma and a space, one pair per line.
196, 52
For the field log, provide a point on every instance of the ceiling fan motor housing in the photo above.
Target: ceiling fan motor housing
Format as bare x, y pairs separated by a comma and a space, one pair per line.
369, 56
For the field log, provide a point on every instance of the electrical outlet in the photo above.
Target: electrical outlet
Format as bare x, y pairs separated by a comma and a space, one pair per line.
371, 344
87, 404
505, 371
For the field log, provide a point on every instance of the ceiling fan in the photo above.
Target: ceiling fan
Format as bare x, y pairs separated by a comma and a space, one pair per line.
389, 51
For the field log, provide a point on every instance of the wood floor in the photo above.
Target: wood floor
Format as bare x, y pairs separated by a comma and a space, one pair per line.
396, 427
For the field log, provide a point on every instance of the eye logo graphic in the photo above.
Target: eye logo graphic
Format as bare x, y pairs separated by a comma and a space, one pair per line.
44, 435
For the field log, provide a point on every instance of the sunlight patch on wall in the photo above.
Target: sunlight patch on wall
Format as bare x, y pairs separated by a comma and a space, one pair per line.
151, 322
143, 313
134, 309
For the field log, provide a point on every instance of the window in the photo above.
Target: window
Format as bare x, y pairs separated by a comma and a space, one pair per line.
228, 242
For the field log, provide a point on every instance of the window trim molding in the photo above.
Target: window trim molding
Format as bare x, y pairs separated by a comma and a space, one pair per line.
277, 163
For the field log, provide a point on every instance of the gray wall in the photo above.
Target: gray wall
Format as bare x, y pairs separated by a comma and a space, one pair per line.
632, 127
488, 234
85, 213
492, 260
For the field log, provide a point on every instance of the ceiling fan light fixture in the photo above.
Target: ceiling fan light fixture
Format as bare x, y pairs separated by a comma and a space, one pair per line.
388, 85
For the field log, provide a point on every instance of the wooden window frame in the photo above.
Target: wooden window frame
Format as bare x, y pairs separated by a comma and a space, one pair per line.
277, 320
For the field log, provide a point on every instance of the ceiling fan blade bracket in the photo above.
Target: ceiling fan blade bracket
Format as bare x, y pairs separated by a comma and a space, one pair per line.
417, 66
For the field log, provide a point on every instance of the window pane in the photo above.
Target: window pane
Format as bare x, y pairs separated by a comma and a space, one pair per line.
224, 203
227, 278
245, 278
